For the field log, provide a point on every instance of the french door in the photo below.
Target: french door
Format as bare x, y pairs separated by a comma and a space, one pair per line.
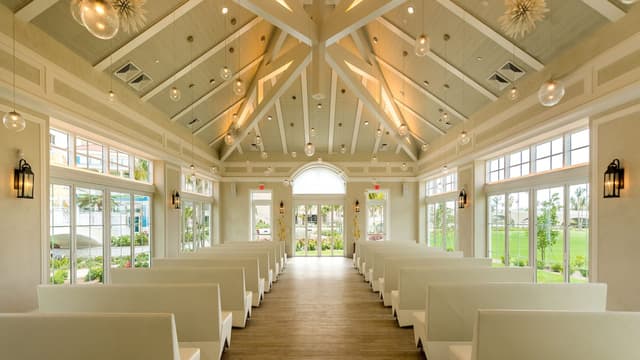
319, 229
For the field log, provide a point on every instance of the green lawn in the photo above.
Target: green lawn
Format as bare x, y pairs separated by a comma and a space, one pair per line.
519, 251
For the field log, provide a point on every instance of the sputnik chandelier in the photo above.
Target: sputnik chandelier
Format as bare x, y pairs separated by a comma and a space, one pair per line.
520, 16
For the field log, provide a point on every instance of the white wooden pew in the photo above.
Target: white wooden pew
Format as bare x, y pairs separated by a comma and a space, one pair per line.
390, 281
412, 289
365, 248
376, 271
253, 281
95, 336
199, 320
552, 335
451, 309
277, 247
233, 295
265, 258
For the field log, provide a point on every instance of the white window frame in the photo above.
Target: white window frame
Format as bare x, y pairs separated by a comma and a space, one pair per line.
253, 203
196, 200
387, 234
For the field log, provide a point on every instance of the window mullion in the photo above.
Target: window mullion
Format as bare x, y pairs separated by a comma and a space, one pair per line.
565, 247
106, 234
72, 242
533, 247
507, 221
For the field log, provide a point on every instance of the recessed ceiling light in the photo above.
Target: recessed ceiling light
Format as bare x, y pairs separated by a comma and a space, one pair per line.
319, 106
366, 122
157, 61
479, 58
411, 9
375, 39
446, 86
225, 10
212, 81
269, 117
426, 83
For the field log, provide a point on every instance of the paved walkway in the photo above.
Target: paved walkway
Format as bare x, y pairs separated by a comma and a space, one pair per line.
321, 308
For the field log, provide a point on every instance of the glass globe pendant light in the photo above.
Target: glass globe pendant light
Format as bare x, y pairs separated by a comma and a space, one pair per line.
75, 6
421, 46
112, 96
238, 87
100, 18
13, 120
175, 94
464, 138
309, 149
514, 93
551, 92
403, 130
225, 73
228, 139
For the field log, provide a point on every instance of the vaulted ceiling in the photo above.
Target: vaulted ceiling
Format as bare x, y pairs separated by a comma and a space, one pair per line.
327, 72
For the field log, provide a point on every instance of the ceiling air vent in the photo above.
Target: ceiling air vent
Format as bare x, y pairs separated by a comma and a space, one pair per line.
383, 147
140, 81
127, 72
498, 81
511, 71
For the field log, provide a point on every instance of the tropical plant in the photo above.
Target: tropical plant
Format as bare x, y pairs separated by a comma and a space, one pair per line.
547, 221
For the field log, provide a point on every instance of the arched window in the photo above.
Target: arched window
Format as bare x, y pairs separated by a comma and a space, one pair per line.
318, 179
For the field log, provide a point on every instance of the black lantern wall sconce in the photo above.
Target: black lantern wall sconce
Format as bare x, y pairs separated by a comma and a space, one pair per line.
462, 199
175, 200
613, 180
356, 207
281, 207
23, 179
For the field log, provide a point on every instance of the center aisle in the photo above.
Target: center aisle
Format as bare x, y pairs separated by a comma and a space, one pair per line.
321, 308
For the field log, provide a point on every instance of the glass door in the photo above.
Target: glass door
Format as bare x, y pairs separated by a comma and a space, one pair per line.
319, 230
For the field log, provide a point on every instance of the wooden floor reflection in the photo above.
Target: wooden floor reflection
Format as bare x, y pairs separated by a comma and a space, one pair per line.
321, 308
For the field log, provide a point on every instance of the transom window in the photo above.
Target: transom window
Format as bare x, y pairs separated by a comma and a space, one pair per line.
567, 150
88, 155
196, 184
318, 180
441, 185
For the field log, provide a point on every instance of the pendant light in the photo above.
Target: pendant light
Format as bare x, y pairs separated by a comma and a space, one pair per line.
444, 118
238, 84
174, 93
192, 167
422, 42
229, 138
13, 120
75, 7
464, 138
225, 72
100, 18
309, 149
111, 95
551, 91
424, 147
514, 93
403, 130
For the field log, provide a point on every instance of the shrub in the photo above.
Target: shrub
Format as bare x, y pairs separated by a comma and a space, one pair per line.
578, 262
338, 244
121, 241
142, 260
59, 277
583, 272
95, 273
142, 239
312, 245
556, 267
540, 265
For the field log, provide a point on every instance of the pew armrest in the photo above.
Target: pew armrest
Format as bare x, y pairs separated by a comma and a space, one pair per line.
460, 352
189, 353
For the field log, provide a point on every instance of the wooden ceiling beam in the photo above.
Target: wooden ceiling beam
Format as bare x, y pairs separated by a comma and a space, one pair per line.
347, 18
221, 46
356, 125
33, 9
220, 115
439, 60
147, 34
606, 9
300, 58
332, 109
296, 22
492, 34
305, 106
337, 57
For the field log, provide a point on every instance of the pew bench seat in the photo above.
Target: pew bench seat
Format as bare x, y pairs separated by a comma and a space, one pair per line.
189, 354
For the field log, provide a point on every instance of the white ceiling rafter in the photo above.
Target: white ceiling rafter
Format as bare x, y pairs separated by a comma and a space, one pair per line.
492, 34
346, 18
218, 117
217, 139
376, 146
296, 22
332, 109
280, 117
337, 58
256, 129
356, 125
415, 114
421, 89
439, 60
606, 9
279, 36
216, 90
33, 9
201, 59
300, 57
305, 105
146, 35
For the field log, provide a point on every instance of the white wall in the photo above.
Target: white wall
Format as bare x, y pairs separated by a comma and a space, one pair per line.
22, 220
615, 221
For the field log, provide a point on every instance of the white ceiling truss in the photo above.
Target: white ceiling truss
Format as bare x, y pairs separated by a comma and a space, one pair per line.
323, 44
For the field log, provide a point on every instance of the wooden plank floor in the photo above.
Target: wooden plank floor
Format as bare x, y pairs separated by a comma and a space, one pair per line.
321, 308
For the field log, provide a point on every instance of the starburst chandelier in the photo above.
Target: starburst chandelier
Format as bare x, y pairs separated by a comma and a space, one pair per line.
131, 13
520, 16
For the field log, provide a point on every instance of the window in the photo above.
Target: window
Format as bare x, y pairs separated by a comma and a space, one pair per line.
443, 184
261, 216
318, 180
579, 147
119, 163
58, 147
549, 155
88, 155
441, 225
377, 215
495, 169
78, 252
93, 156
496, 230
196, 225
196, 185
550, 234
519, 164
